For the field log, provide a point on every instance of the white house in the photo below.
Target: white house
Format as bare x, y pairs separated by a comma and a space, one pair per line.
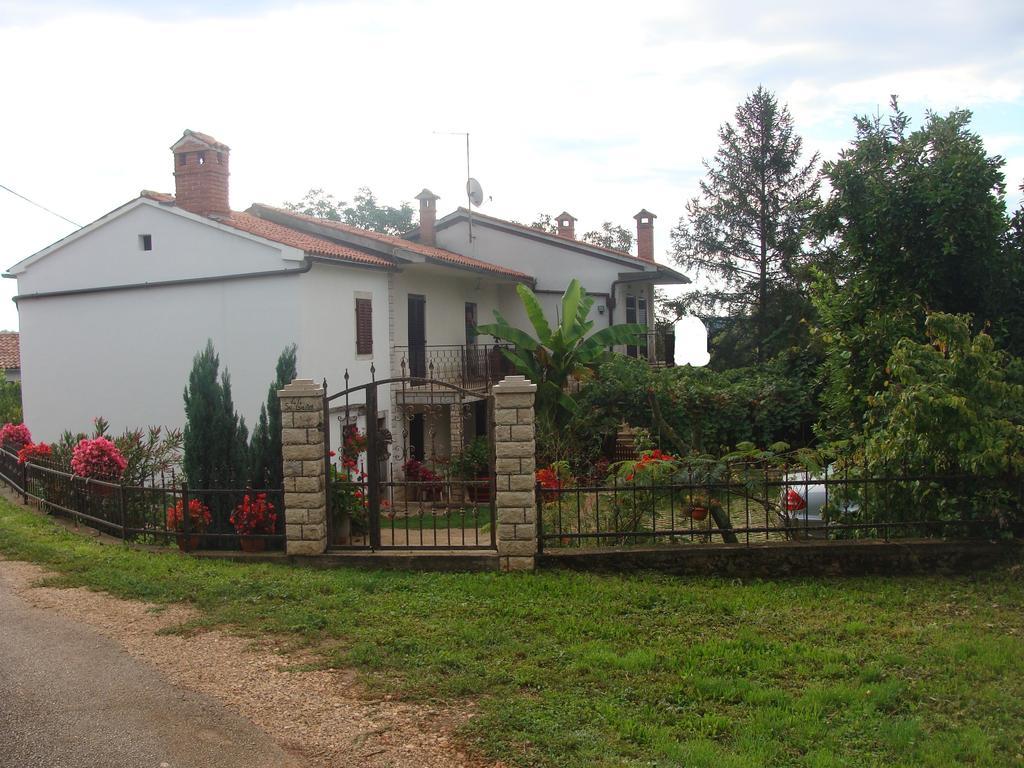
112, 315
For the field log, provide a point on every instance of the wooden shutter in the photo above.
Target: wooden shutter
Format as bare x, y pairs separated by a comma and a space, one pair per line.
364, 327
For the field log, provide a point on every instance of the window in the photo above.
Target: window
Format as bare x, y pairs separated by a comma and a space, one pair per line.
364, 327
145, 242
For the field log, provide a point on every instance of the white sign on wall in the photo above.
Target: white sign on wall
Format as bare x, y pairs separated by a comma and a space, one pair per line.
691, 342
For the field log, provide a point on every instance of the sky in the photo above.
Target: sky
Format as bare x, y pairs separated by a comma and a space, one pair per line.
596, 108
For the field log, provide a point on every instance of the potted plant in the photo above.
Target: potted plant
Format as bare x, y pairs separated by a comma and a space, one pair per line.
426, 482
348, 486
253, 518
473, 465
199, 519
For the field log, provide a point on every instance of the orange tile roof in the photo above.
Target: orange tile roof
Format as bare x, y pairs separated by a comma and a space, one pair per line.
10, 349
317, 246
311, 244
438, 254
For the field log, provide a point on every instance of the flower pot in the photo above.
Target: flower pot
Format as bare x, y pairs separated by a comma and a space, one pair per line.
699, 513
187, 543
252, 544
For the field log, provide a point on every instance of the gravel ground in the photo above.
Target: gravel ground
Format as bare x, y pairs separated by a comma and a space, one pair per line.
322, 716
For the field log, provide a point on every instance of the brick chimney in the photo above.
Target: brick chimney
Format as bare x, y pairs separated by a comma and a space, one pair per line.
645, 235
566, 225
428, 216
201, 174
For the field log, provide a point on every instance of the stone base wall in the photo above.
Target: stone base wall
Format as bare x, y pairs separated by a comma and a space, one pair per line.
784, 559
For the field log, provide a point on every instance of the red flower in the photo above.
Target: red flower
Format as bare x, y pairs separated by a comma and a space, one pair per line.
254, 515
199, 516
548, 478
34, 452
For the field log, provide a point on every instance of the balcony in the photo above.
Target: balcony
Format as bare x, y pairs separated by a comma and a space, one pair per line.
475, 367
656, 347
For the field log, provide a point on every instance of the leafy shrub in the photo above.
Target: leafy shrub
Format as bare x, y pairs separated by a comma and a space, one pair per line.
473, 462
693, 408
951, 408
10, 400
148, 453
14, 437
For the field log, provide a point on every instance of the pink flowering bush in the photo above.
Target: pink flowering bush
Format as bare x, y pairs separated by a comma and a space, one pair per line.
98, 458
14, 437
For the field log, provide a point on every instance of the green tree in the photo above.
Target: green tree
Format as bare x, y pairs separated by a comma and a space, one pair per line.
613, 236
365, 211
915, 220
543, 222
214, 436
266, 458
10, 401
746, 231
952, 408
560, 354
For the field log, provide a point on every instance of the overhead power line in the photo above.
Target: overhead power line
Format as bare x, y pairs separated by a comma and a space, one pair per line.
37, 205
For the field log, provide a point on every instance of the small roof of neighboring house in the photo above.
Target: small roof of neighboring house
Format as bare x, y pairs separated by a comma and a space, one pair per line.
10, 350
437, 255
627, 259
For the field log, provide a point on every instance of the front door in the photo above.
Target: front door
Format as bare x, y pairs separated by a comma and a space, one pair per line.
417, 336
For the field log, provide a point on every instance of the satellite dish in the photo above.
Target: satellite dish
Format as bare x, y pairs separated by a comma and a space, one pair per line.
475, 192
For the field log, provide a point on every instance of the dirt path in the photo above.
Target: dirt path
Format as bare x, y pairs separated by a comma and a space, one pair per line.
322, 717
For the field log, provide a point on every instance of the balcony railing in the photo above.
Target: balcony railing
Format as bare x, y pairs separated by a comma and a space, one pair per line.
470, 366
656, 347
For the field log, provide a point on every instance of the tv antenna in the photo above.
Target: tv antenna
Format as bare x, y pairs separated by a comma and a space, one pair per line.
474, 192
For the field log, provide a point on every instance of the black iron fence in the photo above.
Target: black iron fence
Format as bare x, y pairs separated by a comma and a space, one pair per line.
154, 513
470, 366
419, 509
748, 503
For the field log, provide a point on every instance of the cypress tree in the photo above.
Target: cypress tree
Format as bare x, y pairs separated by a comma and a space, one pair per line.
214, 435
266, 455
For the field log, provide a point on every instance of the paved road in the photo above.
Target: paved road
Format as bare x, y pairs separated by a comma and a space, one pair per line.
71, 698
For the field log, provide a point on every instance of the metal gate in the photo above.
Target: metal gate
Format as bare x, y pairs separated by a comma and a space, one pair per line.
402, 472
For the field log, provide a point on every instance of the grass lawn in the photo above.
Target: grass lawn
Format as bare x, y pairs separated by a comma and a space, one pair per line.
578, 670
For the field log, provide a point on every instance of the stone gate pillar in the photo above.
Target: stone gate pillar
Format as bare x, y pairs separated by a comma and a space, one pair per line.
514, 467
302, 446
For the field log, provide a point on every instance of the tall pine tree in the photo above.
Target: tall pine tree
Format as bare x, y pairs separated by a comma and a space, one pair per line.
214, 436
266, 458
746, 230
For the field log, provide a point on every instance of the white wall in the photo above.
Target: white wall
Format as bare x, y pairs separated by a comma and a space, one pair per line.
327, 336
446, 291
126, 355
553, 267
182, 248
